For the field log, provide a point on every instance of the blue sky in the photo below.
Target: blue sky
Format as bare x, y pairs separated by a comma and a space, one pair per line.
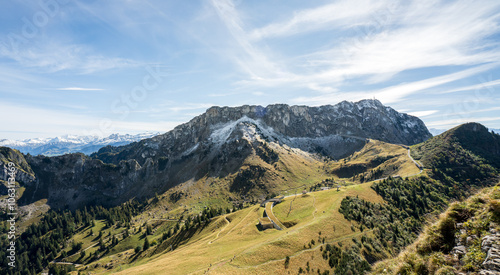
100, 67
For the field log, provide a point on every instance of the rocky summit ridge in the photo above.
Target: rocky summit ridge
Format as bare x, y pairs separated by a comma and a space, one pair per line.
364, 119
214, 144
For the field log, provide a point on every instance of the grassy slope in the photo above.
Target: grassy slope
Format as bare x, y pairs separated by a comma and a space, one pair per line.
470, 140
397, 162
258, 252
236, 234
293, 172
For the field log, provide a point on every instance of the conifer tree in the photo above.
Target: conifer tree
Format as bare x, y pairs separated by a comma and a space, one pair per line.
146, 244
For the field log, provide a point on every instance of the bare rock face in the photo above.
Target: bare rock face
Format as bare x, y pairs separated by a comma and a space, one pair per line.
360, 120
491, 246
213, 144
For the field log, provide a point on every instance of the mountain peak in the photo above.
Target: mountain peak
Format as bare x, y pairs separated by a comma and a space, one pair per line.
472, 127
467, 131
473, 137
370, 103
365, 118
283, 123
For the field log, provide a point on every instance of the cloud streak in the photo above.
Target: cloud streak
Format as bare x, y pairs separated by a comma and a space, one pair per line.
55, 57
341, 14
79, 89
250, 59
430, 57
398, 92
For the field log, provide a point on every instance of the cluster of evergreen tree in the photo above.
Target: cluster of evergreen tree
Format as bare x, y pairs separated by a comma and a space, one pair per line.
42, 242
414, 197
461, 172
393, 227
347, 261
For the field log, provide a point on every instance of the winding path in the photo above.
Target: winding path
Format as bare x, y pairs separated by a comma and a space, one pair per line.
220, 231
314, 205
419, 165
270, 215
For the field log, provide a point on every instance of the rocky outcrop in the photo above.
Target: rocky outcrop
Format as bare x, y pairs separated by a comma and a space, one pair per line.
491, 246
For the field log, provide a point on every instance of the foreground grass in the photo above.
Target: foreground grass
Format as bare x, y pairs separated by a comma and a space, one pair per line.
430, 254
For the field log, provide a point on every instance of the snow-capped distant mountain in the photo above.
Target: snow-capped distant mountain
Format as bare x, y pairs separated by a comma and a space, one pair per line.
71, 143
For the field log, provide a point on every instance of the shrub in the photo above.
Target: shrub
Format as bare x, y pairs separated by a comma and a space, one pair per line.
440, 237
446, 270
404, 269
495, 209
435, 262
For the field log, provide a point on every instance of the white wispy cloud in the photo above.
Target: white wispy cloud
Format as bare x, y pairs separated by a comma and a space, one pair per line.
79, 89
398, 92
460, 120
420, 37
341, 14
423, 113
55, 56
16, 76
484, 85
469, 113
400, 52
249, 58
62, 122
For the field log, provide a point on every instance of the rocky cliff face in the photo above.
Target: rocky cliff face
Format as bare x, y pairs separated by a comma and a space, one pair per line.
214, 144
287, 124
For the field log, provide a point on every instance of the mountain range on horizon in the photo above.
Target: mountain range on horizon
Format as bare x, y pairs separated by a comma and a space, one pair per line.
66, 144
89, 144
187, 189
